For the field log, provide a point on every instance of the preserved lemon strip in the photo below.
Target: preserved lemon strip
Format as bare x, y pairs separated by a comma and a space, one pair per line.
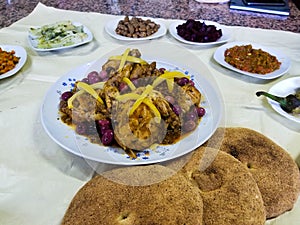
157, 81
97, 85
129, 83
170, 75
129, 59
154, 146
87, 88
153, 108
94, 86
123, 59
173, 74
170, 83
148, 89
126, 97
70, 100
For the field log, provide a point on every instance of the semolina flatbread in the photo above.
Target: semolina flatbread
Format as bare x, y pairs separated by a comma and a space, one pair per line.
108, 200
229, 192
276, 173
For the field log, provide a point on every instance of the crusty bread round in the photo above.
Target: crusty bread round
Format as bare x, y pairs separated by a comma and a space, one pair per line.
276, 173
229, 192
106, 202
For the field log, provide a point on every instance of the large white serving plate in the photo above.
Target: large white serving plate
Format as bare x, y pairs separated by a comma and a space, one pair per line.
223, 39
111, 26
79, 145
284, 67
283, 89
33, 42
19, 52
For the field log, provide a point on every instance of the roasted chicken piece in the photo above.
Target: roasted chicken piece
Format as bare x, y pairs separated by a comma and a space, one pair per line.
112, 66
86, 109
188, 96
109, 94
140, 130
131, 71
193, 93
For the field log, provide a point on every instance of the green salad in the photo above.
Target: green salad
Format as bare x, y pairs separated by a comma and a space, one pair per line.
56, 35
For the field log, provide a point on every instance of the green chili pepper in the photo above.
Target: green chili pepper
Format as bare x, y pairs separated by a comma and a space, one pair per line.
290, 103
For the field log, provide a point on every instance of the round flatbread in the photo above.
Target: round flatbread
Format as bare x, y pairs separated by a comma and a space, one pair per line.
106, 201
274, 170
229, 192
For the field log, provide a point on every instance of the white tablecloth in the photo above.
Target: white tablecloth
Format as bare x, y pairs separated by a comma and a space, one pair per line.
38, 178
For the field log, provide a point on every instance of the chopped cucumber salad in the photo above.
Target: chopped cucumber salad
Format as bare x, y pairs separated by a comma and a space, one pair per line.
59, 34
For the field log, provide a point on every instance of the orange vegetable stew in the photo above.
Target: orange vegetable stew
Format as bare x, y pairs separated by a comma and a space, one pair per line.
8, 61
251, 60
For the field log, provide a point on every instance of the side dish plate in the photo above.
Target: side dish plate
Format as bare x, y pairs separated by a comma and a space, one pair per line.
111, 26
33, 42
284, 67
19, 52
66, 137
284, 88
223, 39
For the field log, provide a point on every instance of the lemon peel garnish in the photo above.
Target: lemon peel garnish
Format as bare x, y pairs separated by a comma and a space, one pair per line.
141, 99
86, 88
89, 90
137, 103
173, 74
98, 85
147, 91
129, 59
170, 84
129, 83
157, 81
123, 59
70, 100
154, 146
126, 97
154, 110
169, 77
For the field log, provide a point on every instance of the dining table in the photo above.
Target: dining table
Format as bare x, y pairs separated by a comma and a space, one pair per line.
39, 177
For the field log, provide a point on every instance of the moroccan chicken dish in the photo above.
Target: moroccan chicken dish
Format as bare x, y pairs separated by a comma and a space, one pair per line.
132, 104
